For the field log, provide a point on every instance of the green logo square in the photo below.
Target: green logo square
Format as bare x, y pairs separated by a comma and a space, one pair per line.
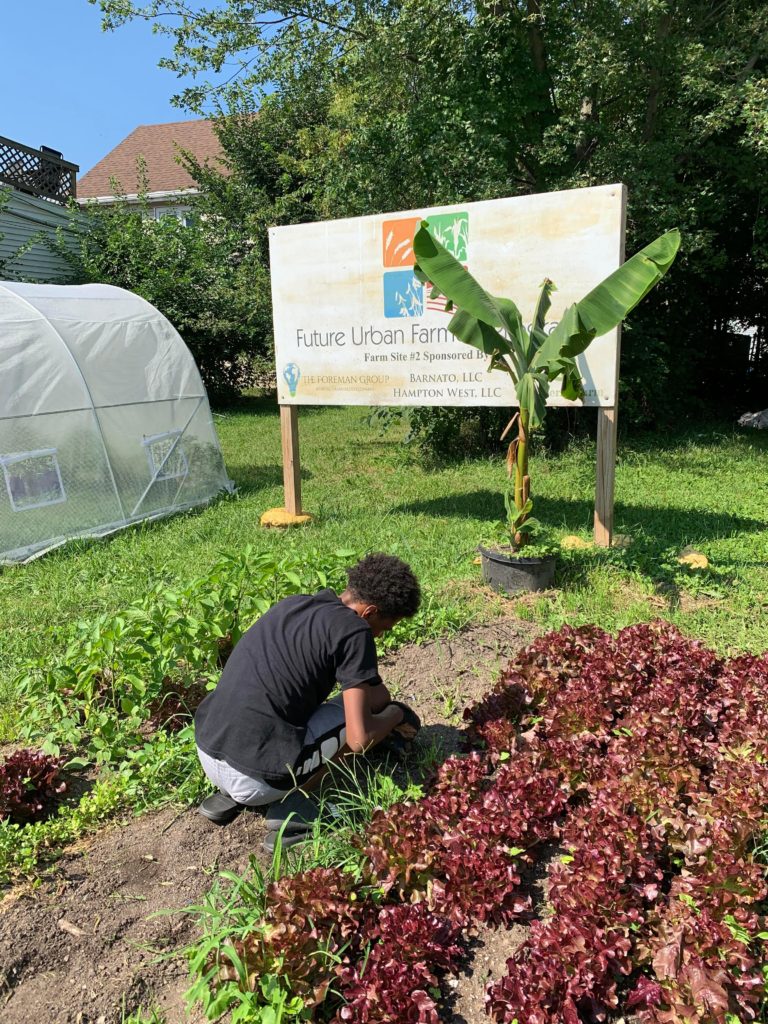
452, 231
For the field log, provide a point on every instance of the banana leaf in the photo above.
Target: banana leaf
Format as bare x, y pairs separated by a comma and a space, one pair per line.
605, 306
538, 337
532, 393
479, 315
437, 265
535, 359
477, 333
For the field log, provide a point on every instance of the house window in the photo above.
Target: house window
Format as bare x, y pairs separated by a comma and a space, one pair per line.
33, 479
182, 213
165, 455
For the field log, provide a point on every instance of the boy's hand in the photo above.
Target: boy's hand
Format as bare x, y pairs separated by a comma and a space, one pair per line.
406, 731
410, 724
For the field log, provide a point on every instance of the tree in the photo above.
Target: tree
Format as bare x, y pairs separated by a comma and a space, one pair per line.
385, 105
201, 275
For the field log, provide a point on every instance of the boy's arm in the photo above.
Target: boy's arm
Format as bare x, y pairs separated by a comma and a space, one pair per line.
369, 715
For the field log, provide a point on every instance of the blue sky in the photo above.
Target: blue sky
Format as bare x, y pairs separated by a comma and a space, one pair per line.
66, 84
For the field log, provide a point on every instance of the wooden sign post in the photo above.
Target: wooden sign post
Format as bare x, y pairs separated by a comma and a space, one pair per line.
605, 476
607, 428
353, 326
289, 430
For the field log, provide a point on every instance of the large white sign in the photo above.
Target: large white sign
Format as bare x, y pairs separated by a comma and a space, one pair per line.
353, 326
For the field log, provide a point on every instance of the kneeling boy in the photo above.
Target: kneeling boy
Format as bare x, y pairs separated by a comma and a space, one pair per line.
269, 729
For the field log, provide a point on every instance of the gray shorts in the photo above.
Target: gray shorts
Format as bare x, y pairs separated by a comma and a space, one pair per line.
326, 735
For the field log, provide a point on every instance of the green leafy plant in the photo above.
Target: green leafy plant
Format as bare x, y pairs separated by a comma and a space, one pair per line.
532, 358
149, 666
122, 694
538, 540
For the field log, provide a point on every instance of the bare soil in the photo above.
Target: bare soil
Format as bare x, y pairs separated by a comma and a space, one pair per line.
84, 944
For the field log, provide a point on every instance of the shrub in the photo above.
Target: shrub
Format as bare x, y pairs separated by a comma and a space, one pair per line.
203, 275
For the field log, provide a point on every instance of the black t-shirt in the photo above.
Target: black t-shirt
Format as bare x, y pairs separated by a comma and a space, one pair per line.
279, 673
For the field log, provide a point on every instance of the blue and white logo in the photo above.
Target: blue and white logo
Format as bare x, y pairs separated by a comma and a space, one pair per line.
291, 376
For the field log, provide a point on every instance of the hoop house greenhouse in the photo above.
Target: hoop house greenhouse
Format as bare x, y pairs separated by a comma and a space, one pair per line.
104, 420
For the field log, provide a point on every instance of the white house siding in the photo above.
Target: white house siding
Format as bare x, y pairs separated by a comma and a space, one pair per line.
22, 218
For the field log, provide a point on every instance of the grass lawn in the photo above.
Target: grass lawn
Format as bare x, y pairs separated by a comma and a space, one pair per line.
370, 492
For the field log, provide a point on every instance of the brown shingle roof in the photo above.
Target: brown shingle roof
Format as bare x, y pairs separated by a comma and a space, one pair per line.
157, 143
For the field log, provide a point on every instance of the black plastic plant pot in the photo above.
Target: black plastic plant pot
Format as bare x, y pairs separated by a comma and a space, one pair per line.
511, 574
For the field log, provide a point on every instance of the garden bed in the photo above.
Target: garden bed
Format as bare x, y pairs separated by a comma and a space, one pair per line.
643, 756
599, 856
81, 944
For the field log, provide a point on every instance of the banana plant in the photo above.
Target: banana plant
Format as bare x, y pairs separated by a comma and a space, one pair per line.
532, 358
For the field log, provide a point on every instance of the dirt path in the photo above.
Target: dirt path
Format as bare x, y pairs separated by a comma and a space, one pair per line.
82, 947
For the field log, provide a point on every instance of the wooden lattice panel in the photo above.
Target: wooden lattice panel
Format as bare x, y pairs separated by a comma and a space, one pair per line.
41, 174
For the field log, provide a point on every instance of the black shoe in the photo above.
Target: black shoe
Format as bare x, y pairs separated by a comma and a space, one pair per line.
270, 840
296, 811
219, 808
292, 818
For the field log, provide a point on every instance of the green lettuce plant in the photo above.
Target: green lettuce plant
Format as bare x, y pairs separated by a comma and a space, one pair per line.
532, 358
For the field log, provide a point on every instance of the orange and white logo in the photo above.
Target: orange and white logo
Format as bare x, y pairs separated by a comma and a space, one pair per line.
404, 295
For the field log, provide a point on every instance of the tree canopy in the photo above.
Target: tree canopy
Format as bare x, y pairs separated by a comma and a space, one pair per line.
373, 105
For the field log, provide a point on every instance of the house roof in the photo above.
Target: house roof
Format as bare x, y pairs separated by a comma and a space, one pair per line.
159, 145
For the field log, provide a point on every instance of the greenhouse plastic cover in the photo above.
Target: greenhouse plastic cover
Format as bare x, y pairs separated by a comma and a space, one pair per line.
104, 419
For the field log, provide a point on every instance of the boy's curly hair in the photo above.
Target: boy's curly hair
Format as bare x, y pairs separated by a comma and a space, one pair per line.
387, 582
